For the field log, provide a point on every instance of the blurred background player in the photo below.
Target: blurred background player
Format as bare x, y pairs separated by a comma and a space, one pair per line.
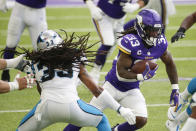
144, 42
108, 18
176, 117
18, 83
55, 63
163, 7
25, 13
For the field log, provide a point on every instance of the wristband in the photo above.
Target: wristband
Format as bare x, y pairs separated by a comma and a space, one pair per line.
13, 86
181, 29
140, 77
175, 86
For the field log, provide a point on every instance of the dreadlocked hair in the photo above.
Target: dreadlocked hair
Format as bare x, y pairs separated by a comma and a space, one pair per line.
63, 56
130, 30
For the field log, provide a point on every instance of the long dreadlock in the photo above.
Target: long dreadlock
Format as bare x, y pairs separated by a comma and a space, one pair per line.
130, 30
63, 56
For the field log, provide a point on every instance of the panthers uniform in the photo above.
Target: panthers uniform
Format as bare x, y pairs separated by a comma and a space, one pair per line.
59, 102
126, 91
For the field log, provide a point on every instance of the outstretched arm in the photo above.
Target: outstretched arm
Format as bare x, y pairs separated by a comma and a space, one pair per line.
105, 98
185, 25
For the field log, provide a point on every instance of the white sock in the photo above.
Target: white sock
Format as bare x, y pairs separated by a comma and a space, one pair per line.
190, 125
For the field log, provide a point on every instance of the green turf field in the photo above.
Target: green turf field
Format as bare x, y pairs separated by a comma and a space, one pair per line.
14, 105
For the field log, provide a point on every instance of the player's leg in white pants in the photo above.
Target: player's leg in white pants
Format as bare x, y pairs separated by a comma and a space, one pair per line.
16, 27
76, 112
132, 99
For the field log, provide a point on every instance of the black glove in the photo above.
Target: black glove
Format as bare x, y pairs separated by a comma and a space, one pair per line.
179, 34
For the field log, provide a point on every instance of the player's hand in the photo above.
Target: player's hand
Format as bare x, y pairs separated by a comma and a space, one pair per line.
25, 82
174, 97
130, 8
95, 11
15, 62
128, 115
148, 73
177, 36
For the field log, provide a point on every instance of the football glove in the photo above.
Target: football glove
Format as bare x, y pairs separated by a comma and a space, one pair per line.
179, 35
15, 62
174, 97
127, 114
130, 8
95, 11
147, 74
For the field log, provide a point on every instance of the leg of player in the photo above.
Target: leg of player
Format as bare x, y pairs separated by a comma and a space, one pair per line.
105, 31
190, 124
15, 29
139, 109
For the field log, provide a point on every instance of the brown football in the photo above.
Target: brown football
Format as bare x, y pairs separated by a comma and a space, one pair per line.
140, 66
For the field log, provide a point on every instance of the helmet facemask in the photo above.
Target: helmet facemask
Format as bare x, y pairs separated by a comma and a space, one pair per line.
149, 30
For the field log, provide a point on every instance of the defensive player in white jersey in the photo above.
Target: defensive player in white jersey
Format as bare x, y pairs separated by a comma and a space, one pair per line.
176, 117
108, 18
19, 83
25, 13
145, 41
57, 64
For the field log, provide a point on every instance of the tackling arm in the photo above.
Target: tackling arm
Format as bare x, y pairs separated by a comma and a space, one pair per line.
105, 98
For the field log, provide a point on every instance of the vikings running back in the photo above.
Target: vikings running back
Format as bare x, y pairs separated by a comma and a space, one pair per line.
108, 18
144, 41
57, 64
29, 14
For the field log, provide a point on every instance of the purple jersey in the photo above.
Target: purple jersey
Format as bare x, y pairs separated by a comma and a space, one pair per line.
33, 3
112, 8
133, 45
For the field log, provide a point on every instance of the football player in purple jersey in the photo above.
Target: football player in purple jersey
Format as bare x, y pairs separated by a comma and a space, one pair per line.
176, 117
108, 18
25, 13
145, 41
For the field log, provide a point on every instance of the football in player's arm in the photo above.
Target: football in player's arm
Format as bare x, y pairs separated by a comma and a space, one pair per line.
57, 64
145, 41
108, 18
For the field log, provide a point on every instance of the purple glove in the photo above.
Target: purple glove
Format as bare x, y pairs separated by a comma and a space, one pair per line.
147, 74
174, 97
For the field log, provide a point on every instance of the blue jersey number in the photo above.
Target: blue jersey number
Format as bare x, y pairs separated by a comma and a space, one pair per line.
48, 76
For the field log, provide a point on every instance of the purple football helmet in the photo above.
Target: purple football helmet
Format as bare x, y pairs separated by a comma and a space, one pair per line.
149, 26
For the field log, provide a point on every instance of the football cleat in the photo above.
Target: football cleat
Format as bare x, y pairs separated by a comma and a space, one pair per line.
172, 126
95, 73
5, 76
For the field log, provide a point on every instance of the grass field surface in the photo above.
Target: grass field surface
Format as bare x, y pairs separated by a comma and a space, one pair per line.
14, 105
